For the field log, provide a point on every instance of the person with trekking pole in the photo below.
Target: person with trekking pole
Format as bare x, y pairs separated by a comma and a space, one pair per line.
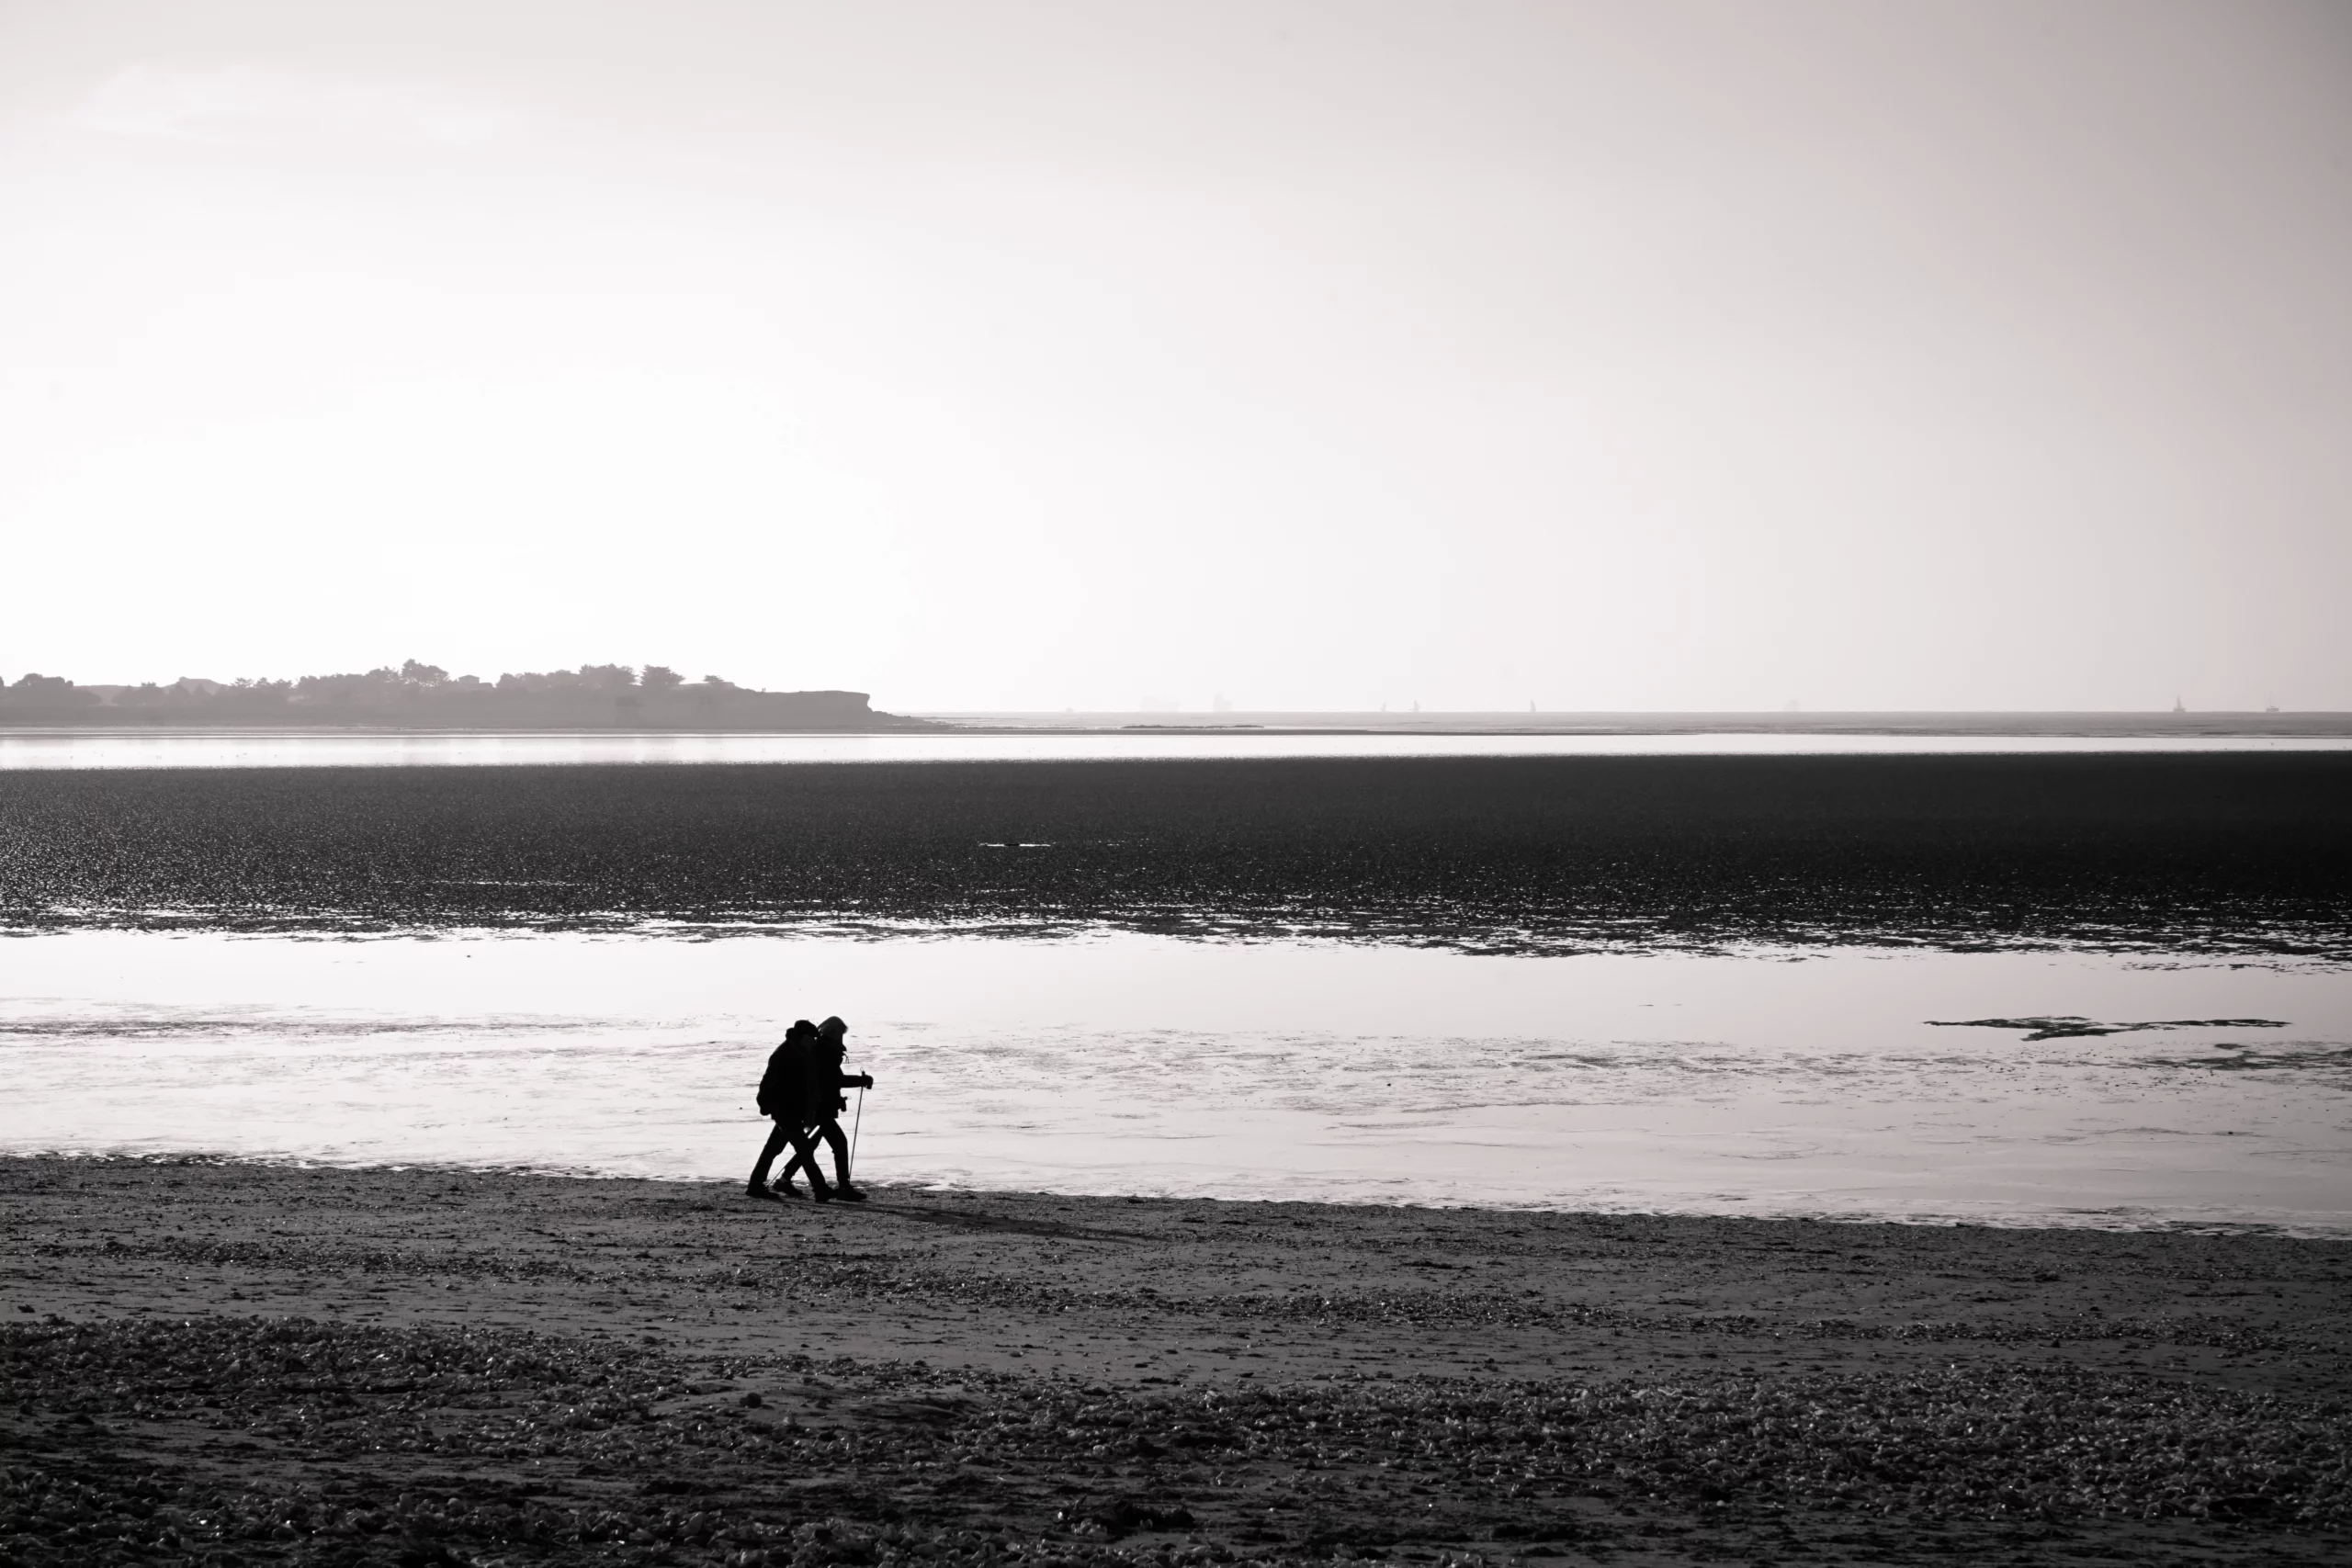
823, 1105
785, 1096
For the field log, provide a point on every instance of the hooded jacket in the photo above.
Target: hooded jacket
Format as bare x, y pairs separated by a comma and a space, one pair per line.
784, 1087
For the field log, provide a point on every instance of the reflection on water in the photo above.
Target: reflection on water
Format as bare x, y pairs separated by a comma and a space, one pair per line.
1823, 1083
213, 749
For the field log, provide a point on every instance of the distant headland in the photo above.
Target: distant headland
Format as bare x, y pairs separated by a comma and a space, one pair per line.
425, 696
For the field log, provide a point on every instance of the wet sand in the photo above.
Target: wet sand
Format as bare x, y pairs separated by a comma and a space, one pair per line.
2241, 852
227, 1362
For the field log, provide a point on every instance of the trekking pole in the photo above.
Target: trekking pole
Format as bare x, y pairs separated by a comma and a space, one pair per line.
853, 1123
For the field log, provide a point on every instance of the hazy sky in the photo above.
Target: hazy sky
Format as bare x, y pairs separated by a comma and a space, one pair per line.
1602, 356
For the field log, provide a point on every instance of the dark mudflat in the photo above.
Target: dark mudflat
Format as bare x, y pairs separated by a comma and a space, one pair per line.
221, 1363
2230, 853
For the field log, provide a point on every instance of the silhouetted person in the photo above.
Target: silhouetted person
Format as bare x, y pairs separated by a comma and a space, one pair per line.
826, 1080
784, 1095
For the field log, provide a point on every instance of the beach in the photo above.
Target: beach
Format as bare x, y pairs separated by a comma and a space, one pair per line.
1628, 1159
1564, 783
220, 1361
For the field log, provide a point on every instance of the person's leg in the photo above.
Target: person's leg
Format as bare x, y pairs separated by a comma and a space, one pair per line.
833, 1136
777, 1136
804, 1157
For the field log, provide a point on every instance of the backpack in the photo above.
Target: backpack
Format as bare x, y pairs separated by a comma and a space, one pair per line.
784, 1084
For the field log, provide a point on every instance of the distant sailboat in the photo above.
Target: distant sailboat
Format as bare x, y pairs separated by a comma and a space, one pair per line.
2178, 706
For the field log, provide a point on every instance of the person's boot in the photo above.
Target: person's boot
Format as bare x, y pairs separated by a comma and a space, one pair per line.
845, 1193
786, 1189
818, 1189
758, 1190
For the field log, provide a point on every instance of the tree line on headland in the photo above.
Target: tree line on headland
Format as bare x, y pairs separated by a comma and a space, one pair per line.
419, 695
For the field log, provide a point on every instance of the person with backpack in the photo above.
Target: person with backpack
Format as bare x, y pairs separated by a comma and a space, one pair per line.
824, 1104
784, 1095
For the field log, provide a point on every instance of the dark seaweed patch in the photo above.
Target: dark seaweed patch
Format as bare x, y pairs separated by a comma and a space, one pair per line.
2082, 1028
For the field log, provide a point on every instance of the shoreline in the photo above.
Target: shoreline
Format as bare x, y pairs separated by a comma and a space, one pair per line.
1031, 1377
957, 1191
2219, 724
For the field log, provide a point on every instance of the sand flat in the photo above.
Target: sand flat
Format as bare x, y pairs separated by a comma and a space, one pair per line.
1032, 1375
2238, 852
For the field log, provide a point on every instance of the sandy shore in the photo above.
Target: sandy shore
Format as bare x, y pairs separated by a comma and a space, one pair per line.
226, 1363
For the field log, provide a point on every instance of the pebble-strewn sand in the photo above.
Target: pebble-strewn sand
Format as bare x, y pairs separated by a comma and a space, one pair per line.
218, 1363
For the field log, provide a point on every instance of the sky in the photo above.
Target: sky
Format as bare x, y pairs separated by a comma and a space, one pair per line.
1304, 354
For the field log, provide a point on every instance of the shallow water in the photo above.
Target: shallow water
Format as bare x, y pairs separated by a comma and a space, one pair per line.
24, 749
1768, 1082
